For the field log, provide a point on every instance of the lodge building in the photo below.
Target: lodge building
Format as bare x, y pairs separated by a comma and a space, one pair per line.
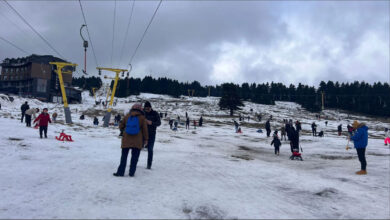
34, 77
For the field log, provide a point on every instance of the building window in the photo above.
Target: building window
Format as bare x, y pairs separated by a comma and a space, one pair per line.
41, 85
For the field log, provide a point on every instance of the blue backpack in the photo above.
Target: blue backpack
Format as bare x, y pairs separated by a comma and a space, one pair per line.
132, 125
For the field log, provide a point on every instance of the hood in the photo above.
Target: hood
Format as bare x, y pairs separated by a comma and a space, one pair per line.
136, 112
362, 126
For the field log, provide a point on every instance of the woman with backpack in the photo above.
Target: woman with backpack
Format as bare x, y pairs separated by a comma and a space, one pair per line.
135, 137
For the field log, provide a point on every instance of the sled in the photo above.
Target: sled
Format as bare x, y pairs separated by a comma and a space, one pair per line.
64, 137
36, 126
296, 156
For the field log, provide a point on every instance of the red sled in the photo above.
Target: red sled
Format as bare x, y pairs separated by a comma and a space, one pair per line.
36, 126
64, 137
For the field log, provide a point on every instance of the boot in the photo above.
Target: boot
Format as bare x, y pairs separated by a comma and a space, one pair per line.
361, 172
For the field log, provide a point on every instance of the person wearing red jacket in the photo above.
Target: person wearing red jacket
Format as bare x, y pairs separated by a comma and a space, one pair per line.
44, 119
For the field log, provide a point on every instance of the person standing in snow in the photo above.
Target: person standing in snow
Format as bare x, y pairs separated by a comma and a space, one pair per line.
24, 108
153, 120
287, 127
44, 120
268, 127
387, 136
54, 116
350, 130
135, 136
95, 121
314, 129
236, 125
194, 124
188, 123
170, 123
294, 139
360, 141
276, 142
298, 126
339, 129
175, 125
283, 133
200, 121
30, 113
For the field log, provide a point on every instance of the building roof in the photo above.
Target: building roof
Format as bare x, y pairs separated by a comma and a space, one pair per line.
30, 59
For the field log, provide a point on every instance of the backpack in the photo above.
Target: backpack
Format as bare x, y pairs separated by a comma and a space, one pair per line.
132, 125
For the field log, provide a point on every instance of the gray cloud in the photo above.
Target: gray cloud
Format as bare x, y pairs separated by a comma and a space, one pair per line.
214, 42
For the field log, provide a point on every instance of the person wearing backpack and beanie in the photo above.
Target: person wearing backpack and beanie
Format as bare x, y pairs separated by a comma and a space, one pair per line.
360, 141
43, 121
153, 120
135, 137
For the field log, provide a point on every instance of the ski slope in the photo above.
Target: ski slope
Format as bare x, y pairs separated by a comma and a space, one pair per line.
208, 173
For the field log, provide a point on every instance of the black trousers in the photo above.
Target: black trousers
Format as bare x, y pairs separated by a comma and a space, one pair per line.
133, 162
23, 113
42, 129
361, 152
150, 151
268, 132
314, 132
276, 150
28, 120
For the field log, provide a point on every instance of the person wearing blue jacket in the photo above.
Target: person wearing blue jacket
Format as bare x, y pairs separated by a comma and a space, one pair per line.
360, 141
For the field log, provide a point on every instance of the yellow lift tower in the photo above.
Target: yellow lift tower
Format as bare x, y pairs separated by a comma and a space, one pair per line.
60, 65
116, 78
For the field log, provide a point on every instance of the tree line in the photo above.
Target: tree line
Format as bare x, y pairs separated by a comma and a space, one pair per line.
359, 97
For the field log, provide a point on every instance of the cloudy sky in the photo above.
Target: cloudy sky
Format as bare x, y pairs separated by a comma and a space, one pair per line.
213, 41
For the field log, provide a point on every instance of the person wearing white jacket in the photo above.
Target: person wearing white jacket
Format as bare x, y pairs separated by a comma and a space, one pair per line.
29, 113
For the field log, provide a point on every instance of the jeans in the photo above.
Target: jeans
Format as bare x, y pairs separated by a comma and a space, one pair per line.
133, 162
150, 151
43, 129
362, 157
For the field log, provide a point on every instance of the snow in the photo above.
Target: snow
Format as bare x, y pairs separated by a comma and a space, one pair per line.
210, 172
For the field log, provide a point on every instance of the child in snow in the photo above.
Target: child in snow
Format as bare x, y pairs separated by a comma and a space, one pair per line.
276, 142
387, 136
339, 129
95, 121
44, 119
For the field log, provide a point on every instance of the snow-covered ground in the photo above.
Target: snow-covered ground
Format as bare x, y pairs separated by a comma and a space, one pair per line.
210, 172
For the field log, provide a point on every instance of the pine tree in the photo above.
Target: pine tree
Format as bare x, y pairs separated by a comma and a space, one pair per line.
230, 98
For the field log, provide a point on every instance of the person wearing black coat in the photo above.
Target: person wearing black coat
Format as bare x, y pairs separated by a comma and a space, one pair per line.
188, 123
339, 129
314, 129
288, 126
294, 139
24, 108
268, 128
200, 121
153, 120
